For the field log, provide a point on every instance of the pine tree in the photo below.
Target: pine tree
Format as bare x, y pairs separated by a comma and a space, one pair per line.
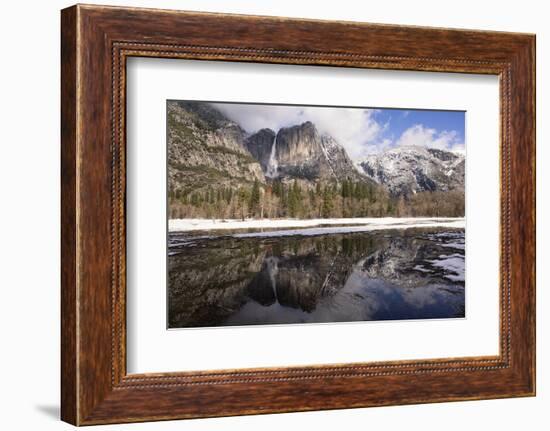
400, 207
295, 199
318, 189
327, 203
255, 197
292, 202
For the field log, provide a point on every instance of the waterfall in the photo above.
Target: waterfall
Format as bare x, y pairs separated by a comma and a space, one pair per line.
273, 165
272, 269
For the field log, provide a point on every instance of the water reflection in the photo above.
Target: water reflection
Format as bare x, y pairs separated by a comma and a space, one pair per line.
383, 275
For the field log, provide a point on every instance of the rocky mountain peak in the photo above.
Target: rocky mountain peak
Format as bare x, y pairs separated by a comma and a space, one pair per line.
297, 144
446, 156
204, 114
411, 169
302, 152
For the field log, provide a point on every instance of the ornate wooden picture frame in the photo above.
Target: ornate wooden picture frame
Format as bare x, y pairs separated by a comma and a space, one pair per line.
96, 41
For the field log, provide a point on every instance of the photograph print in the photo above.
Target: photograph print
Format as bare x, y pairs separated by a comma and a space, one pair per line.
291, 214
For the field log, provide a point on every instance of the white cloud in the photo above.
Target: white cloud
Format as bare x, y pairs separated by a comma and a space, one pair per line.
420, 135
353, 128
356, 129
377, 147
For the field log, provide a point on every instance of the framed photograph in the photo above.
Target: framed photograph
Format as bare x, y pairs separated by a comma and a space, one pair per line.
264, 214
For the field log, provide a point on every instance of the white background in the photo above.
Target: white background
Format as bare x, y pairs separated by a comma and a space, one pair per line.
151, 348
29, 224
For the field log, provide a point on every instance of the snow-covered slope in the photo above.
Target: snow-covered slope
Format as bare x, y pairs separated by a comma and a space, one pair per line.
407, 170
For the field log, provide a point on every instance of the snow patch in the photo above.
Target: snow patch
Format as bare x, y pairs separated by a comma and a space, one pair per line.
343, 229
453, 264
421, 269
178, 225
325, 152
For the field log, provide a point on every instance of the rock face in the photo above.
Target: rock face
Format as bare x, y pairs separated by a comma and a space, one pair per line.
205, 148
302, 152
260, 144
407, 170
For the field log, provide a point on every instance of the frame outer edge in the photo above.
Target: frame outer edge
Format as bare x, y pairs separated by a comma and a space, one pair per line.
533, 54
86, 396
532, 82
523, 215
530, 62
69, 411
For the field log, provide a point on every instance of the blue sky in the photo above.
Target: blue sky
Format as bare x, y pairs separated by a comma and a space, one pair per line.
399, 120
362, 131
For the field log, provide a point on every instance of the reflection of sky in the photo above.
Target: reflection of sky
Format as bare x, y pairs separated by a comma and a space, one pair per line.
361, 131
362, 299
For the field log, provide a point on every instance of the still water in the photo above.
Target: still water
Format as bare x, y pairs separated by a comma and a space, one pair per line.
230, 279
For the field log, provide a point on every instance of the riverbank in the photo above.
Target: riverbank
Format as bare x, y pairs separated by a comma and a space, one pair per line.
183, 225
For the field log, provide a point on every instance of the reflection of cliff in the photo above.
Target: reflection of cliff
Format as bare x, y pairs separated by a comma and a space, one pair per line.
399, 261
208, 284
212, 279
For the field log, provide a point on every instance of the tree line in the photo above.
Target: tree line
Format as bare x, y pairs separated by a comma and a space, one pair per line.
325, 200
